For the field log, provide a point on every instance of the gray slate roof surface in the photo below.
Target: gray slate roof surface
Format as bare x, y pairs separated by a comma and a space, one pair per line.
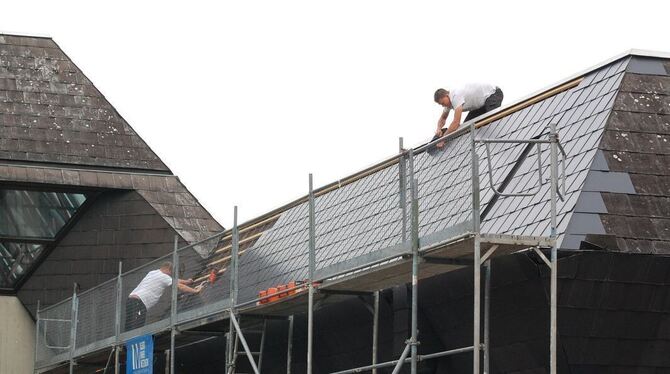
51, 112
366, 216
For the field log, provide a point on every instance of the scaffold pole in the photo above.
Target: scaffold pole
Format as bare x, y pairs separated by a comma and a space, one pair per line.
554, 256
173, 302
476, 341
310, 302
414, 339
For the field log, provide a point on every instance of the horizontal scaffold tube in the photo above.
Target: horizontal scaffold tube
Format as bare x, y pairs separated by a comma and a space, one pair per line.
419, 358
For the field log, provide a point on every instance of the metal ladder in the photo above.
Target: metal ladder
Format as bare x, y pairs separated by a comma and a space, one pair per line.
231, 362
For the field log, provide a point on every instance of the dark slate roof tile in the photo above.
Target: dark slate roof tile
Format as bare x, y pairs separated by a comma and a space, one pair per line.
42, 87
647, 66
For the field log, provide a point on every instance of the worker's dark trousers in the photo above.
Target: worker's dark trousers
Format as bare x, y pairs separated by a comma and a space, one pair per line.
492, 102
136, 313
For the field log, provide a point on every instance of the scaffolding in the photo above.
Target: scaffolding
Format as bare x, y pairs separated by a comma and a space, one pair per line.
377, 229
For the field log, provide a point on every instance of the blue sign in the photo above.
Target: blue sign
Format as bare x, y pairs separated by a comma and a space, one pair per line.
140, 355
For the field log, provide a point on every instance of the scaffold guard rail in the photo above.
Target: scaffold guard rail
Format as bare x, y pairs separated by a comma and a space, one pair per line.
360, 233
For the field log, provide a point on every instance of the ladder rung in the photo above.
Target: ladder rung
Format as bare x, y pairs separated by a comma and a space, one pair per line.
244, 353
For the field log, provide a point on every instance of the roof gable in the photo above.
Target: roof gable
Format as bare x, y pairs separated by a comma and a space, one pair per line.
50, 112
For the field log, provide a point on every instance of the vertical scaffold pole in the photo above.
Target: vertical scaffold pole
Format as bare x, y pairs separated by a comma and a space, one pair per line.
37, 336
289, 348
173, 302
476, 341
310, 306
402, 187
234, 252
117, 322
414, 341
73, 326
375, 329
554, 255
487, 315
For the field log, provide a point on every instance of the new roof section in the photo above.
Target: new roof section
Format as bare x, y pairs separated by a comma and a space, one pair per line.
357, 218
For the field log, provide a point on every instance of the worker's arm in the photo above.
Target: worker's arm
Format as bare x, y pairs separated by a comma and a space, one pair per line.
441, 122
457, 119
186, 281
186, 289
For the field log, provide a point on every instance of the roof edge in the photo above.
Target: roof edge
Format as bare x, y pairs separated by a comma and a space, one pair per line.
627, 53
102, 95
25, 35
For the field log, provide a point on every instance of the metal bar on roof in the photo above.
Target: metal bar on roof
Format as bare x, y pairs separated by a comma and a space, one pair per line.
522, 158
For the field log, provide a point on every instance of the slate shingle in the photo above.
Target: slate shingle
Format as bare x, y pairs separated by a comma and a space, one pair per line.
70, 121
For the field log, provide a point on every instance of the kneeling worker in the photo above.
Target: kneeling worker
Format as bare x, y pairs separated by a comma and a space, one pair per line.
149, 291
476, 99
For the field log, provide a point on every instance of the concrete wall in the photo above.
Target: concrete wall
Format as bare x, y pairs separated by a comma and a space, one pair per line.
17, 337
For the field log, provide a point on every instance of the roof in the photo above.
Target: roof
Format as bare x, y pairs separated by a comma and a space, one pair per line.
363, 213
57, 129
52, 113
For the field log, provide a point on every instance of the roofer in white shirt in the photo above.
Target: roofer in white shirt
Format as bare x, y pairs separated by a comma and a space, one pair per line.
474, 98
149, 291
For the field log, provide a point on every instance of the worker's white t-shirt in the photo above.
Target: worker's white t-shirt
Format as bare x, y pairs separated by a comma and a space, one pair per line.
151, 287
471, 96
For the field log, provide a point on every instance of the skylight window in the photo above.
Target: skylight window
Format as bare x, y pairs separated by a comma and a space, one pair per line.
31, 221
36, 214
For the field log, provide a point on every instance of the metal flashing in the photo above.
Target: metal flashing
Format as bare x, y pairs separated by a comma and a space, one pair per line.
590, 202
571, 241
600, 181
646, 65
585, 223
599, 162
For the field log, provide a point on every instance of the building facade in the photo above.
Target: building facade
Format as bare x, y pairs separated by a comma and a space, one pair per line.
80, 191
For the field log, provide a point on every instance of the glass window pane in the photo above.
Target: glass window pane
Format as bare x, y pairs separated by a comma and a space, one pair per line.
36, 214
15, 260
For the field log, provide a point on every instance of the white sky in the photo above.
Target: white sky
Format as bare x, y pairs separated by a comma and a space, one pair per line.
242, 99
